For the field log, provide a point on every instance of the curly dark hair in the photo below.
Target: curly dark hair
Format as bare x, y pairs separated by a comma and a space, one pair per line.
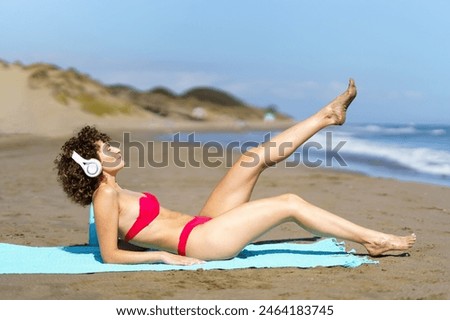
79, 187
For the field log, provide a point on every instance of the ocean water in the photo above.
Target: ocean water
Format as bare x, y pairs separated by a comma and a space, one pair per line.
409, 152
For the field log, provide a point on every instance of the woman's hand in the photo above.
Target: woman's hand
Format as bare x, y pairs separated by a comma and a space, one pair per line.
169, 258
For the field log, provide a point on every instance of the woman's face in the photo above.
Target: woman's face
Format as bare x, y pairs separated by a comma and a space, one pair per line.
110, 157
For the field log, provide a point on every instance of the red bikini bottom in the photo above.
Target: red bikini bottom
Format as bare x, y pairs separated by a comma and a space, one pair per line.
196, 221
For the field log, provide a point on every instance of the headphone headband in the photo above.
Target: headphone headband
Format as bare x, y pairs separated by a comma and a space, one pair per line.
78, 159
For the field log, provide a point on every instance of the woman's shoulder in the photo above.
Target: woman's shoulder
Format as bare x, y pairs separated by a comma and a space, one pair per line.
105, 192
106, 201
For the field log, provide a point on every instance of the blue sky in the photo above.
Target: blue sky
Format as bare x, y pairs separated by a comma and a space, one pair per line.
295, 54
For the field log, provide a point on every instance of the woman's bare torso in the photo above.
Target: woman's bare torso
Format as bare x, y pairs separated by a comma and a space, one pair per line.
162, 233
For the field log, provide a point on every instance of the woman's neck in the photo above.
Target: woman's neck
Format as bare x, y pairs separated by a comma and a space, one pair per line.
111, 181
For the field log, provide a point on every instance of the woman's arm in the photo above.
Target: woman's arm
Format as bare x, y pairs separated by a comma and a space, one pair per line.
106, 210
133, 257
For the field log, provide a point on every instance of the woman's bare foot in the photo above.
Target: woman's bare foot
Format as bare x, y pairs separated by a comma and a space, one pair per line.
389, 243
335, 111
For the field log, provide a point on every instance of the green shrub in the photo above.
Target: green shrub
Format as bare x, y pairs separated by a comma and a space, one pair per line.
214, 96
162, 91
62, 97
99, 107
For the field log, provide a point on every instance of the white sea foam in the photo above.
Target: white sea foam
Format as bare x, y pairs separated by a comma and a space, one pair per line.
438, 132
372, 128
423, 160
400, 130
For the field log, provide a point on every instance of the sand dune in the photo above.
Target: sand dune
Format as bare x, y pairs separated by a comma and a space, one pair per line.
35, 111
45, 100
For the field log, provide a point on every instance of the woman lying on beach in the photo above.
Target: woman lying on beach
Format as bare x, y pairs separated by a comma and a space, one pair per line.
227, 222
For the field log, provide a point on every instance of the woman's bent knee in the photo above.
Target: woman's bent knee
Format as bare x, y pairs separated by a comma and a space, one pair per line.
291, 198
292, 201
254, 158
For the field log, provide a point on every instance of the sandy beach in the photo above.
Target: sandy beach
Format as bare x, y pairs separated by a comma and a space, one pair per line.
34, 211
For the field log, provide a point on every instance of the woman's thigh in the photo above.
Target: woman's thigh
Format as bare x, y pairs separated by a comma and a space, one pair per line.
233, 190
226, 235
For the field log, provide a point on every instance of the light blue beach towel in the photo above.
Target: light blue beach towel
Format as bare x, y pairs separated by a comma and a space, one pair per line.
18, 259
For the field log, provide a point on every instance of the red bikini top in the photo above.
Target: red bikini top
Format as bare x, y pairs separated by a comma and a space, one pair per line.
148, 211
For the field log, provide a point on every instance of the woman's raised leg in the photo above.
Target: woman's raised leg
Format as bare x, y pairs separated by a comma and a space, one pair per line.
237, 185
226, 235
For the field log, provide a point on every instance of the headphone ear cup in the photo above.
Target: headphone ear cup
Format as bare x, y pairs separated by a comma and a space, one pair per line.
92, 168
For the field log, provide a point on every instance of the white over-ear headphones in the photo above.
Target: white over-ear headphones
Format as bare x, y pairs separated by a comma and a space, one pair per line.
91, 167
